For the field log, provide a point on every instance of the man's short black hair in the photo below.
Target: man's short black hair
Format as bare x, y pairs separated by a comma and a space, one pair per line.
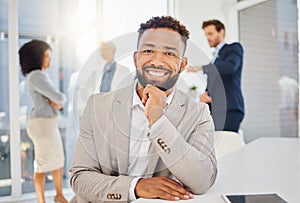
218, 24
31, 55
165, 22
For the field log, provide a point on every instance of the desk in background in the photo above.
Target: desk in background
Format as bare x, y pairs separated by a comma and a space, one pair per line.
266, 165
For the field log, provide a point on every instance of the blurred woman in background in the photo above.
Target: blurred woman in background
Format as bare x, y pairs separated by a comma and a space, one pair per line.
42, 126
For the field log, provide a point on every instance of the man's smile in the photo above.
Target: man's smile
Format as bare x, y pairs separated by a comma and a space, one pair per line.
156, 73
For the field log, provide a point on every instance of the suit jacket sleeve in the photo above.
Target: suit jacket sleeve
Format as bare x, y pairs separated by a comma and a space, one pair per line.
229, 63
191, 161
87, 179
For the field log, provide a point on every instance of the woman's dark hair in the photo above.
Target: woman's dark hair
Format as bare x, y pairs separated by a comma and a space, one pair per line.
165, 22
31, 55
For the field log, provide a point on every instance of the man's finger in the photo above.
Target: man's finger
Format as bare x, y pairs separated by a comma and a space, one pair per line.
174, 193
149, 88
145, 93
176, 187
166, 196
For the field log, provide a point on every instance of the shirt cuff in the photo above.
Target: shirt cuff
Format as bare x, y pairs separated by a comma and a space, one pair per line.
131, 195
174, 178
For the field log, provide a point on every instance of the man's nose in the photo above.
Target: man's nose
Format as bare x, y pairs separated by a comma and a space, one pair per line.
157, 63
157, 59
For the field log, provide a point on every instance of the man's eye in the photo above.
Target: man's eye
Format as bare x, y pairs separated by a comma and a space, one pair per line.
148, 51
169, 53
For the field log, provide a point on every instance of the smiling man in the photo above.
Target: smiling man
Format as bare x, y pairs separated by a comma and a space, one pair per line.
149, 139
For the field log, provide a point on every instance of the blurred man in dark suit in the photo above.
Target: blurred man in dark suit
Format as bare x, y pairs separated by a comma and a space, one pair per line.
223, 75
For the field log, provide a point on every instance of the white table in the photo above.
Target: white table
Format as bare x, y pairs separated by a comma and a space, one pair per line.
266, 165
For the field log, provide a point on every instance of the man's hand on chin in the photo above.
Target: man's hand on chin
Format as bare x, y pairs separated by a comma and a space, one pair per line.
154, 100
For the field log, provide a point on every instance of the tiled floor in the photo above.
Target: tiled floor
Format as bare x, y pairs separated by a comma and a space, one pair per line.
28, 191
31, 197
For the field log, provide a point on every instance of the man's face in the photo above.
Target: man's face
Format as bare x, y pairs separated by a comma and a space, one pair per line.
107, 54
213, 36
159, 58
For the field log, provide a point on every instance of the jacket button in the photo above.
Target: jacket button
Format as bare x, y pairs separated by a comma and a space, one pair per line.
119, 196
115, 196
108, 196
159, 141
167, 150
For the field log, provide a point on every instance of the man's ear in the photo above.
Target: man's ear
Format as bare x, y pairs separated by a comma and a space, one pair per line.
135, 58
184, 62
222, 32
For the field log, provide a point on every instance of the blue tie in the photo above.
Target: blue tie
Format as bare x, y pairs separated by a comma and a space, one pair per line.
109, 71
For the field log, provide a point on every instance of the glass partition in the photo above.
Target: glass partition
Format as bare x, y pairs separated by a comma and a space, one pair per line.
5, 176
269, 34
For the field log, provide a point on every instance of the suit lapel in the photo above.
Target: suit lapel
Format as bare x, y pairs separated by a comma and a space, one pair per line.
174, 112
220, 56
176, 109
122, 102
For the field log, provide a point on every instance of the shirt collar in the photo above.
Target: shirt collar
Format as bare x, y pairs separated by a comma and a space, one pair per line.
110, 62
219, 47
108, 66
137, 102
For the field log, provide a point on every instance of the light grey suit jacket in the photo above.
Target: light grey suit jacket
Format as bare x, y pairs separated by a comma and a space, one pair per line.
183, 147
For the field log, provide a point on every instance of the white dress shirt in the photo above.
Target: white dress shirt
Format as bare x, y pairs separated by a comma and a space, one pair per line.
216, 51
139, 142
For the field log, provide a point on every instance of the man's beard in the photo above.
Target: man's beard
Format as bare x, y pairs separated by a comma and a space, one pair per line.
162, 85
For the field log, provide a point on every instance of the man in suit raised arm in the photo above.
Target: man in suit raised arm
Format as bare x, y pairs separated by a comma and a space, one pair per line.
223, 92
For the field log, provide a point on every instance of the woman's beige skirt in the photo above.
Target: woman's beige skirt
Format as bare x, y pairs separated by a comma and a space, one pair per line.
49, 153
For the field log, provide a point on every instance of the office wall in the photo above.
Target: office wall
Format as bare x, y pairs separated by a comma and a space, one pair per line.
193, 12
